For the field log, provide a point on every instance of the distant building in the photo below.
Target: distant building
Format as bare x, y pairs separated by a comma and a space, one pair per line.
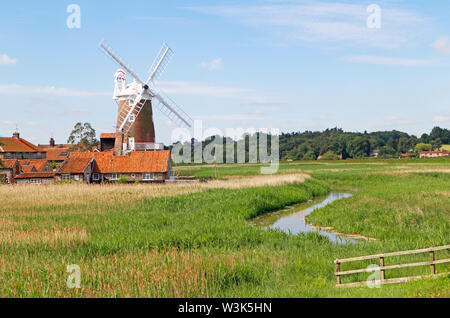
107, 141
17, 148
35, 178
75, 168
406, 155
97, 167
375, 153
35, 165
9, 170
434, 154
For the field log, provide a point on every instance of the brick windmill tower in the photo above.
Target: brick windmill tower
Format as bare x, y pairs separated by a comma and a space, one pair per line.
135, 129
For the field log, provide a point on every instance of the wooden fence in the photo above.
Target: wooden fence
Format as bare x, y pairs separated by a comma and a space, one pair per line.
382, 268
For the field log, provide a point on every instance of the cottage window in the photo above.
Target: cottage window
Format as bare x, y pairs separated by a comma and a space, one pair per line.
76, 177
114, 176
95, 177
35, 181
148, 176
65, 177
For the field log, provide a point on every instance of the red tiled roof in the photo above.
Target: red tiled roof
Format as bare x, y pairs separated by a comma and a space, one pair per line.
74, 164
57, 154
108, 162
108, 135
7, 163
57, 146
136, 162
28, 164
12, 144
35, 175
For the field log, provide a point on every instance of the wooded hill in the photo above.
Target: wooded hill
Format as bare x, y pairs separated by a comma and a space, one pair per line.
335, 143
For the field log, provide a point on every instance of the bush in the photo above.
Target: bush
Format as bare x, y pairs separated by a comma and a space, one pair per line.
122, 180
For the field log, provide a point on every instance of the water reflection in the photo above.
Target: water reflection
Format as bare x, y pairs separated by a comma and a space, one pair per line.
295, 223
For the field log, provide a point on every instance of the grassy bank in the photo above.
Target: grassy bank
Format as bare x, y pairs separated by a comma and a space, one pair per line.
182, 241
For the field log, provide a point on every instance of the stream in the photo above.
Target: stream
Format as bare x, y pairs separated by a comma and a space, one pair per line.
292, 219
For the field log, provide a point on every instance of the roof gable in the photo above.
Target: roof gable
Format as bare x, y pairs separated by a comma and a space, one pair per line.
12, 144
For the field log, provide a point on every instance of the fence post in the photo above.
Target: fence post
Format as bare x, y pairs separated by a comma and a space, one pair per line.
432, 265
338, 269
381, 267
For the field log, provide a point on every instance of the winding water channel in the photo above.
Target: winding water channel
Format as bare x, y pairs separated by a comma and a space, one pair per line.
292, 219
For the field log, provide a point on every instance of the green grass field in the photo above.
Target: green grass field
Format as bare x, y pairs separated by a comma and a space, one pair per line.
130, 242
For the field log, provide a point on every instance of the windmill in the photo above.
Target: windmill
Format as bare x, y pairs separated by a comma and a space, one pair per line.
135, 129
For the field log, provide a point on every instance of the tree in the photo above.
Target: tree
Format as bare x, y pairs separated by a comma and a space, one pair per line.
330, 155
82, 137
359, 147
403, 145
436, 144
387, 152
309, 156
422, 147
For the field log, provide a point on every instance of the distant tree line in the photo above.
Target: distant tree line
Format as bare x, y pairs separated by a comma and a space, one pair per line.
330, 144
333, 142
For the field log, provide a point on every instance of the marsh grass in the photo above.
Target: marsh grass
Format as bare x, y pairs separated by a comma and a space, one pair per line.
195, 240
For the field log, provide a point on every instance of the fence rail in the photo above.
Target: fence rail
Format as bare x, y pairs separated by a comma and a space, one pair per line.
382, 268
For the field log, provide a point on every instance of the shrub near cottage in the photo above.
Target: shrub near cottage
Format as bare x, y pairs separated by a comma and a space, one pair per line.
122, 180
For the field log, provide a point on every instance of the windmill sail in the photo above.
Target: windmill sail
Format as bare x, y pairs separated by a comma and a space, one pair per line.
119, 60
174, 112
160, 63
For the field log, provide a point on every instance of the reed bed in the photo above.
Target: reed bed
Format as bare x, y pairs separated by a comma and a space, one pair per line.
194, 240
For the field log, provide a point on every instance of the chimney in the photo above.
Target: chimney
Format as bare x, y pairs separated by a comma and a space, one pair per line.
16, 135
52, 142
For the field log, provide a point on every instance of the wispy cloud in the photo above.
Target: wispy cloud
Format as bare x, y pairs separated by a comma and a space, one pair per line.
6, 60
389, 61
399, 120
312, 22
212, 65
15, 89
202, 89
255, 115
442, 45
441, 119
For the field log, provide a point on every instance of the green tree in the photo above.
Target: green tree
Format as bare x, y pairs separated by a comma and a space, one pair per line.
82, 137
403, 145
387, 152
359, 147
422, 147
330, 155
309, 156
436, 144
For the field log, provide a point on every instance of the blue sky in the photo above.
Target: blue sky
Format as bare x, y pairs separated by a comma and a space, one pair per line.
291, 65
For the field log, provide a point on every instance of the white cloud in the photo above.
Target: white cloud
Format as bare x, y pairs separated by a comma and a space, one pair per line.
8, 123
14, 89
399, 120
309, 22
213, 65
256, 115
6, 60
441, 119
201, 89
389, 61
442, 45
